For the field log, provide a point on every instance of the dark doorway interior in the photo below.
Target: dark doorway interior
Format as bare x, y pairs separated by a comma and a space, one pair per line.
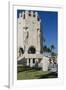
31, 50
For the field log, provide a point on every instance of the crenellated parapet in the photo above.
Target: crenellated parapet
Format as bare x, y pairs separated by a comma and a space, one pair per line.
29, 14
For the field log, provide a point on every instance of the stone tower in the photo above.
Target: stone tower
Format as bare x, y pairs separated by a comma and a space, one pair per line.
29, 32
29, 40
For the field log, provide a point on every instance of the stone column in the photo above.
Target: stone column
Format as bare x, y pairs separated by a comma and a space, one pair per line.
36, 63
31, 62
36, 60
27, 62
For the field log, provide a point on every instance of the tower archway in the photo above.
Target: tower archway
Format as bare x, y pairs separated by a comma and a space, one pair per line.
32, 50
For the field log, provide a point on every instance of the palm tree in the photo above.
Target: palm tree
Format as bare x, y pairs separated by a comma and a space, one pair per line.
48, 50
45, 48
52, 47
43, 41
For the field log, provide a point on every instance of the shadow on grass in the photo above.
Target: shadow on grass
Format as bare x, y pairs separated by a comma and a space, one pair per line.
27, 68
49, 75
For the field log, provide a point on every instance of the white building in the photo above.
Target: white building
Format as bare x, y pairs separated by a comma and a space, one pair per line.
29, 40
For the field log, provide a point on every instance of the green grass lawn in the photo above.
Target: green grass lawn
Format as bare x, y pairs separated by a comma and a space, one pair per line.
32, 73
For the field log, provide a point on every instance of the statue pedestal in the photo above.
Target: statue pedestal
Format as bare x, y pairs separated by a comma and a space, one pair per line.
45, 63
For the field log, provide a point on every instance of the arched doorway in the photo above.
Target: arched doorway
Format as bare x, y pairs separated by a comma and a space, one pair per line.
21, 51
32, 50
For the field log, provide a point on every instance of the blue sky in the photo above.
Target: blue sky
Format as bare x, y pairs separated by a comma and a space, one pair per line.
49, 27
